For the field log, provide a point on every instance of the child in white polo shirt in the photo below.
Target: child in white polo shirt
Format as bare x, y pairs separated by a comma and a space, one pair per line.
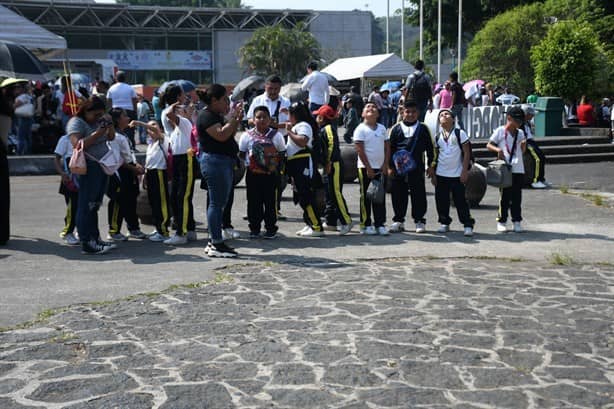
373, 147
452, 172
509, 143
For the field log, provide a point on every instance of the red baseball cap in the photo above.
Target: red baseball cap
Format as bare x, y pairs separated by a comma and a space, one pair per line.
326, 111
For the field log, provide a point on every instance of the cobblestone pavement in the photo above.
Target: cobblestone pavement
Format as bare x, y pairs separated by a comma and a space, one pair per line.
400, 333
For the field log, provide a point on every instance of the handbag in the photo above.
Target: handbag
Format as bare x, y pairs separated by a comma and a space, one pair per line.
25, 110
111, 161
77, 164
499, 174
376, 192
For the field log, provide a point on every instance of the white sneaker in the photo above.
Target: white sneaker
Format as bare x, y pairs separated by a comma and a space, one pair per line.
369, 231
382, 231
345, 228
137, 234
326, 227
303, 230
517, 227
191, 235
176, 240
396, 227
468, 232
538, 185
501, 228
230, 234
444, 228
157, 237
420, 228
309, 232
71, 240
117, 237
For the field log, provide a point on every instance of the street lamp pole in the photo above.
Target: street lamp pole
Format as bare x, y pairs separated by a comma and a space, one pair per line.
387, 26
460, 37
439, 41
421, 28
402, 29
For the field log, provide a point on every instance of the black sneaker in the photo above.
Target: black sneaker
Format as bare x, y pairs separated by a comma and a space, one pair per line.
92, 247
108, 244
254, 235
221, 250
269, 235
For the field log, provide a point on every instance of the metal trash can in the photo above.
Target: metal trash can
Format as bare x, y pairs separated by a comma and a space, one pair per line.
549, 116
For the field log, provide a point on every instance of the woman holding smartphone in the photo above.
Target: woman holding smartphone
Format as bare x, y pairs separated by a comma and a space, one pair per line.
218, 155
92, 128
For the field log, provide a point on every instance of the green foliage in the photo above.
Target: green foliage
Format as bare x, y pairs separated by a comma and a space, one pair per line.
277, 50
566, 59
500, 52
185, 3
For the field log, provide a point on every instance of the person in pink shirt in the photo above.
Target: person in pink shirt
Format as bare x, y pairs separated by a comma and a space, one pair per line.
445, 101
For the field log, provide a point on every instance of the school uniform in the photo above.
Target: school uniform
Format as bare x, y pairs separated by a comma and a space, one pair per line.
336, 206
536, 155
185, 168
448, 171
63, 150
303, 171
123, 190
156, 176
374, 142
261, 183
510, 197
402, 136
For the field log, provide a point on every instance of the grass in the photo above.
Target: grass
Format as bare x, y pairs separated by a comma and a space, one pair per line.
560, 259
596, 199
564, 189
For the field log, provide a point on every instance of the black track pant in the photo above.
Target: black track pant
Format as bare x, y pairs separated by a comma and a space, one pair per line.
182, 192
538, 157
5, 194
366, 206
444, 186
511, 199
402, 189
336, 206
123, 192
159, 199
261, 201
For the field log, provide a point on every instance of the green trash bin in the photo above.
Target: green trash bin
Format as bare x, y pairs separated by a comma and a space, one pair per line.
549, 116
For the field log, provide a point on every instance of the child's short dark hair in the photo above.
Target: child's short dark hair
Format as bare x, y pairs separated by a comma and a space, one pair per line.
262, 108
410, 103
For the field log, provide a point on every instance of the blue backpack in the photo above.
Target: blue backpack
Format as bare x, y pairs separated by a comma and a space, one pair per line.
403, 160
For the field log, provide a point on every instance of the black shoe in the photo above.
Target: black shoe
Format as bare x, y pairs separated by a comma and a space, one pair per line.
254, 235
269, 235
108, 244
92, 247
221, 250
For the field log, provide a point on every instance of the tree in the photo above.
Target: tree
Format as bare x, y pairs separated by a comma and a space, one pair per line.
566, 60
500, 52
277, 50
185, 3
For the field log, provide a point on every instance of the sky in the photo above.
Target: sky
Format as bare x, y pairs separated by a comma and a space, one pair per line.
377, 7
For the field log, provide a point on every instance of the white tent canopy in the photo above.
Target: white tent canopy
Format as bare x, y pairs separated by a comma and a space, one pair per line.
22, 31
380, 66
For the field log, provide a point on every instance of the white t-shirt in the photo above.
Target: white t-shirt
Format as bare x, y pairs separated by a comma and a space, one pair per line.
246, 142
449, 159
155, 157
374, 141
317, 85
142, 109
504, 140
63, 148
264, 100
302, 128
121, 143
121, 95
180, 136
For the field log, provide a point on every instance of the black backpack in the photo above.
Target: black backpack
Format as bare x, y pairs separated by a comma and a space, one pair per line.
318, 149
420, 88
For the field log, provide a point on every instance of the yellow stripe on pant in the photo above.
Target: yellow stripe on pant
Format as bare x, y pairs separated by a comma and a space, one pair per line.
114, 223
68, 217
341, 205
163, 204
363, 208
186, 195
311, 214
537, 163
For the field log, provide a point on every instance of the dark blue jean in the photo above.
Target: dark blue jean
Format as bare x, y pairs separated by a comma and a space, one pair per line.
24, 135
92, 187
218, 172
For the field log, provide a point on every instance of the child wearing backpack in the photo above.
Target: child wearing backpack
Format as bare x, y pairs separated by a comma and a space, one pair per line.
262, 148
373, 148
509, 143
452, 172
69, 188
409, 140
336, 207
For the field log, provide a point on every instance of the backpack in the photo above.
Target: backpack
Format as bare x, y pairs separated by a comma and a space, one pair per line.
264, 157
420, 88
318, 150
458, 140
403, 160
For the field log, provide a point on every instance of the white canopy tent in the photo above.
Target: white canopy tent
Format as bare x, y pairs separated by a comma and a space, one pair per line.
22, 31
370, 67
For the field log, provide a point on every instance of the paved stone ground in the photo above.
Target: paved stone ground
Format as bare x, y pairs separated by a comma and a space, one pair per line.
396, 333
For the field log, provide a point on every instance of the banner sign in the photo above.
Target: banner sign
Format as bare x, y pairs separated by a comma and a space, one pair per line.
161, 60
480, 122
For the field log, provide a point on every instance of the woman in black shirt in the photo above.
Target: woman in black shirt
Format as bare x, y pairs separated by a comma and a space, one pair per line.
218, 156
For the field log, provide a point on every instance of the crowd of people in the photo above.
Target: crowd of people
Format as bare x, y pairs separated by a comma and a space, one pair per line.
286, 143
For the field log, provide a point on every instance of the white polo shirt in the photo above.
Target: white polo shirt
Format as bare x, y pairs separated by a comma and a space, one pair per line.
374, 141
264, 100
302, 128
64, 148
449, 158
504, 140
317, 85
121, 95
